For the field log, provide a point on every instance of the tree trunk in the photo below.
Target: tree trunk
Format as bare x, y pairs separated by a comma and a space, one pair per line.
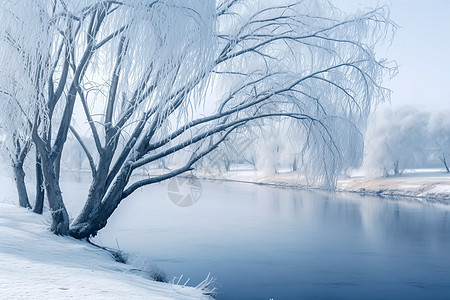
57, 165
60, 217
39, 203
444, 161
89, 222
19, 177
97, 190
396, 170
93, 202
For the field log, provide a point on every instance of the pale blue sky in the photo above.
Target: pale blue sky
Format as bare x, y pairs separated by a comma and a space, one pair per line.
421, 47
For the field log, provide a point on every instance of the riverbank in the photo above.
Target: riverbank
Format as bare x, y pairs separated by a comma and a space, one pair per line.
36, 264
427, 184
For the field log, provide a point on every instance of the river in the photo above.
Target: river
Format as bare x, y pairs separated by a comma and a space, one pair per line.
263, 242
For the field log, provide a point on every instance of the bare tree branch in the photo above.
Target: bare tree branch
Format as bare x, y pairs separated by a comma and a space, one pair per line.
86, 151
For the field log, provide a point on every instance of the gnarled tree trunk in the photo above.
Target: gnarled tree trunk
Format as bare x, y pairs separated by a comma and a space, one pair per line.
95, 216
60, 217
19, 177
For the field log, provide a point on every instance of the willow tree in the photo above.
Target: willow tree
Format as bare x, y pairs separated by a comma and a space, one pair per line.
15, 145
154, 78
19, 83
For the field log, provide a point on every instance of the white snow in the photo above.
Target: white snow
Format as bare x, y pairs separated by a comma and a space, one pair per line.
36, 264
431, 184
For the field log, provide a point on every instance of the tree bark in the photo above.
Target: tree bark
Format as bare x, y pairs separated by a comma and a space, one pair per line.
60, 217
39, 203
19, 177
89, 222
97, 189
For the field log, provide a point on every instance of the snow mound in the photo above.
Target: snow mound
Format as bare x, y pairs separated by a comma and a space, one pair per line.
35, 264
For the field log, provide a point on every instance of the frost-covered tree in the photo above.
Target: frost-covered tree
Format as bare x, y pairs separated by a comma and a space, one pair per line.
407, 138
439, 137
17, 88
154, 78
15, 147
398, 139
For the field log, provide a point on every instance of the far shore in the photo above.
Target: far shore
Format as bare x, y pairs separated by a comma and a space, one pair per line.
424, 184
432, 185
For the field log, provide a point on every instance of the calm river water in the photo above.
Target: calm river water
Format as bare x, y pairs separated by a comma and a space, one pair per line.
269, 243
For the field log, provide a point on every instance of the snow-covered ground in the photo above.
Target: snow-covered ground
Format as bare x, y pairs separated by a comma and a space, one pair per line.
35, 264
430, 184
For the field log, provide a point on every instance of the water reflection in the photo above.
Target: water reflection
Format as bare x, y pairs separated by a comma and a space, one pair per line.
263, 242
